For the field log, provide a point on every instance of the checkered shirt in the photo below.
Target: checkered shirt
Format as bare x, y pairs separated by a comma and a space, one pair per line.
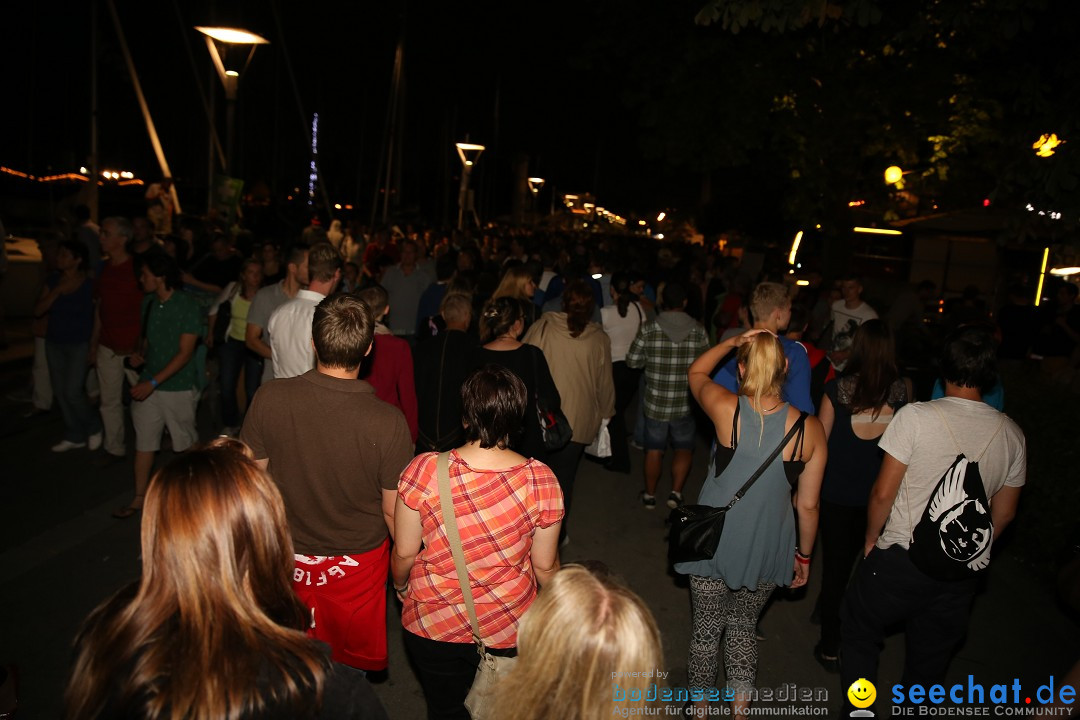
667, 390
497, 513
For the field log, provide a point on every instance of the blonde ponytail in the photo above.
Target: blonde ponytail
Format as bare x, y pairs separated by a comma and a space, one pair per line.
764, 370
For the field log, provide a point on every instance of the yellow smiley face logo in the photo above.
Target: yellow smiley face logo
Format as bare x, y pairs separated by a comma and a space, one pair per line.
862, 693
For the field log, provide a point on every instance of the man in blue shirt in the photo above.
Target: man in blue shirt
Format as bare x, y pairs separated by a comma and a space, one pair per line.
770, 308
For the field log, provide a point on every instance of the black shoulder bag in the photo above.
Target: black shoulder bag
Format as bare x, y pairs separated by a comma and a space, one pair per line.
695, 529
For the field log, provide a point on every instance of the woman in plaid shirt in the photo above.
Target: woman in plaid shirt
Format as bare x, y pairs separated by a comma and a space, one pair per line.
509, 510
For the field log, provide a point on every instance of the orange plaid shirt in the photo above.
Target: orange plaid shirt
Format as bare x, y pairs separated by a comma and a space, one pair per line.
497, 512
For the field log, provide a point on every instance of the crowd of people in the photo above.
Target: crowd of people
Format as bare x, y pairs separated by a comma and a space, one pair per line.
401, 402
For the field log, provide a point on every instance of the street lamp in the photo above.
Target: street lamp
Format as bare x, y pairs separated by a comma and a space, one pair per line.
535, 183
469, 154
229, 78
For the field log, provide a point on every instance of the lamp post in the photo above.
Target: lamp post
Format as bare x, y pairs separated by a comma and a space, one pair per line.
469, 154
535, 183
230, 78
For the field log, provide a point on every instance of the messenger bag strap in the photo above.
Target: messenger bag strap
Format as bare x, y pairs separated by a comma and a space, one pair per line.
768, 461
446, 504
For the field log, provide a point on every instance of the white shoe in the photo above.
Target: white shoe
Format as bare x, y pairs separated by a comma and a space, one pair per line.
94, 441
65, 445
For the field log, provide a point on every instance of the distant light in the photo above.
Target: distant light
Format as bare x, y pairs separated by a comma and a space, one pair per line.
232, 73
83, 170
986, 202
234, 36
1065, 271
337, 206
659, 236
348, 207
597, 276
641, 222
855, 203
1044, 146
127, 175
802, 283
661, 216
876, 231
818, 226
791, 271
1042, 276
893, 174
794, 248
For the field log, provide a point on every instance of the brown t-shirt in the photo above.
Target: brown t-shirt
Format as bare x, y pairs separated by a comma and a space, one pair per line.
333, 448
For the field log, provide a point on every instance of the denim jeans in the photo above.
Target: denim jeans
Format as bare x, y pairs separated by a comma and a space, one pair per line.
67, 372
232, 356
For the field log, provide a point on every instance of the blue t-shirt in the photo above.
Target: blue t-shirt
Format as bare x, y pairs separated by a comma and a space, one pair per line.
796, 387
995, 398
71, 317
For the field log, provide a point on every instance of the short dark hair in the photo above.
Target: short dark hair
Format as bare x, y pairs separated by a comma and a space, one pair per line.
80, 252
323, 262
341, 330
674, 295
969, 359
297, 253
375, 296
162, 265
493, 403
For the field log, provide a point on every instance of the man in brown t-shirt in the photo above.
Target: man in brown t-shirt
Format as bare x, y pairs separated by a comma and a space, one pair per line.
336, 451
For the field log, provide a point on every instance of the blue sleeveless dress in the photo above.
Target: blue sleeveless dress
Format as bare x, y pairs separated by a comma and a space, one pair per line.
758, 542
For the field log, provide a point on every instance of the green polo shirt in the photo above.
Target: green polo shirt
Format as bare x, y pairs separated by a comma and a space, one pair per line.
165, 323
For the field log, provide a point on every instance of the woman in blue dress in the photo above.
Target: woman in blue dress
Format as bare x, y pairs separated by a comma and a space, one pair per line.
762, 546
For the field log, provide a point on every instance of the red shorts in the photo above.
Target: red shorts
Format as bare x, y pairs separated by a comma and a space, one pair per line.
346, 595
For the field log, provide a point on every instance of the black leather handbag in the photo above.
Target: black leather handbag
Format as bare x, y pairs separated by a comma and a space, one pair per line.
695, 529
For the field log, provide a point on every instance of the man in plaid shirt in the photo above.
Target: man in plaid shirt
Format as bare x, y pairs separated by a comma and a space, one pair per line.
666, 347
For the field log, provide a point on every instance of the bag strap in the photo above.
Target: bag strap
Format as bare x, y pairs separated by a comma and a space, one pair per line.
959, 451
768, 461
446, 504
948, 429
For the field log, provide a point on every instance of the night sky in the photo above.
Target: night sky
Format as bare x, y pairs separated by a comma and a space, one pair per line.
540, 80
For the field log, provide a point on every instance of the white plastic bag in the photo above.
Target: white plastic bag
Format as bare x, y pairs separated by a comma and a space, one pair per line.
601, 444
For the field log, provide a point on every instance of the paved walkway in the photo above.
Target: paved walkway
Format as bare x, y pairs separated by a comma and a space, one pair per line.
61, 554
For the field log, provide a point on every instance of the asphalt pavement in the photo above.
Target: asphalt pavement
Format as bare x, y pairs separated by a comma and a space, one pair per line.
61, 554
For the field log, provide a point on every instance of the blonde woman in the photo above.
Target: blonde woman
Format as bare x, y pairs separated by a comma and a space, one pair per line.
213, 628
587, 626
517, 282
760, 548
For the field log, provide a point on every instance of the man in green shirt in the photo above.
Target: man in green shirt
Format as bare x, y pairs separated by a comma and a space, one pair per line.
165, 392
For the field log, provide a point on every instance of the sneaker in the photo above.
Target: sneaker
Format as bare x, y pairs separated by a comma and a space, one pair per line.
94, 441
649, 501
636, 445
65, 445
674, 500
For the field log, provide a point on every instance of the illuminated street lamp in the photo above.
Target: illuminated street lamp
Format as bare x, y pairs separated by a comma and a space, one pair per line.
535, 183
230, 78
469, 154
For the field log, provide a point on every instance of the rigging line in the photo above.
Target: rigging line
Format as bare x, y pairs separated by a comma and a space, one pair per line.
299, 103
150, 128
198, 84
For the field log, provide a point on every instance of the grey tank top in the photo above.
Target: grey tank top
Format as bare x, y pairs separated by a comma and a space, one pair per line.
758, 542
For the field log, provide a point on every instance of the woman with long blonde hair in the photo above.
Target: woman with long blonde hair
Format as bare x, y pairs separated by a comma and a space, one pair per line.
760, 548
212, 629
587, 626
518, 283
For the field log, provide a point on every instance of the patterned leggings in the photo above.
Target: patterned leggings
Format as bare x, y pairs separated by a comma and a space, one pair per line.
716, 609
